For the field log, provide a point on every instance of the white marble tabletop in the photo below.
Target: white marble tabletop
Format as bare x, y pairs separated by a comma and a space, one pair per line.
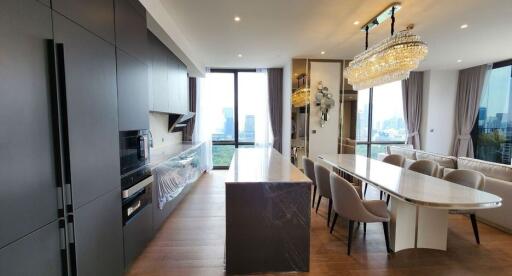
262, 165
411, 186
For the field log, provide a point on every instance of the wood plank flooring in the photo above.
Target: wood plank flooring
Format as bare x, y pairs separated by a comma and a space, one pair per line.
191, 242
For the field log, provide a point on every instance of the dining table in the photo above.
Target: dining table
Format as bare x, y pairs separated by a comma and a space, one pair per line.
419, 204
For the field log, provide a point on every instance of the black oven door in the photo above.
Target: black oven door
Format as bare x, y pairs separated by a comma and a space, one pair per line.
136, 198
134, 149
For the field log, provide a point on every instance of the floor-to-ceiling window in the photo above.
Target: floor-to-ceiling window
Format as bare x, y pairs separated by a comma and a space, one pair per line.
492, 134
380, 119
238, 101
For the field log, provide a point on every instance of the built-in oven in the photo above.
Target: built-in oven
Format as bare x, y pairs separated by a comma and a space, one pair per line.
134, 150
136, 197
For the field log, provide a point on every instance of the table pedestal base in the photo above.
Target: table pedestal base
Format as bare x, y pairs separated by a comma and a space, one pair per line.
417, 227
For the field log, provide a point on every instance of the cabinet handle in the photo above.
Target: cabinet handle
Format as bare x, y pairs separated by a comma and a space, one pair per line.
61, 84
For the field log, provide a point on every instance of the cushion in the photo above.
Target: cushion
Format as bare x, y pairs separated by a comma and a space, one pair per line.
442, 160
405, 151
408, 163
489, 169
499, 216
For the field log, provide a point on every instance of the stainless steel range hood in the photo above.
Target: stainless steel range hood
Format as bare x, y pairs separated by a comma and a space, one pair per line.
178, 121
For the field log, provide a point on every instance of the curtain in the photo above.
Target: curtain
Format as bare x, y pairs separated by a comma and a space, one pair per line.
469, 89
275, 101
412, 91
189, 129
203, 128
263, 131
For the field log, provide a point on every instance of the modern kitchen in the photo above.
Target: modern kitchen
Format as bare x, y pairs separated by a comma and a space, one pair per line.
200, 137
93, 156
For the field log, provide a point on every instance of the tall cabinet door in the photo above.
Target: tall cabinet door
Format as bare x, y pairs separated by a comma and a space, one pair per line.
91, 96
96, 16
28, 189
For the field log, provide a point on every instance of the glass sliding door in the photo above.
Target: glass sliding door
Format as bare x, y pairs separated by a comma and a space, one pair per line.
240, 102
221, 85
492, 134
380, 119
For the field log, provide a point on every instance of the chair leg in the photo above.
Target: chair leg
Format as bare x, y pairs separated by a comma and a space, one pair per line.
387, 200
365, 188
333, 222
386, 236
318, 203
329, 212
381, 195
314, 196
364, 228
475, 227
350, 227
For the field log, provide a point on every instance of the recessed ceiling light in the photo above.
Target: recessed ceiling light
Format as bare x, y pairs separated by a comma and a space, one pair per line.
463, 26
356, 22
237, 18
239, 55
459, 60
322, 52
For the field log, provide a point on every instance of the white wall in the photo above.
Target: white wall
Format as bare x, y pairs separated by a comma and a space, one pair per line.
438, 111
325, 140
158, 123
287, 110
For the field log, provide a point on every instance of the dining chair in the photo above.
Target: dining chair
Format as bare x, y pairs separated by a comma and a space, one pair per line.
324, 188
309, 170
348, 204
471, 179
393, 159
427, 167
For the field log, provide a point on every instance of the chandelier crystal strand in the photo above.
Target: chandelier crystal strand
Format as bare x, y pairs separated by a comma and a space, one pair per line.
390, 60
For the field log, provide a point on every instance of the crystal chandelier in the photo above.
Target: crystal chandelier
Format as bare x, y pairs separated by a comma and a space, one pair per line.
389, 60
300, 97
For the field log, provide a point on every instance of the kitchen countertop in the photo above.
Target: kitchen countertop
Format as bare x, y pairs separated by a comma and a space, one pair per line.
161, 154
262, 165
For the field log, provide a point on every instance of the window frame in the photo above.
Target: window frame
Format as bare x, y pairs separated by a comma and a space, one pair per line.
236, 141
475, 132
369, 141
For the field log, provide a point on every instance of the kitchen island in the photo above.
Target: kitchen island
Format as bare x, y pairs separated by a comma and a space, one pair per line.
267, 213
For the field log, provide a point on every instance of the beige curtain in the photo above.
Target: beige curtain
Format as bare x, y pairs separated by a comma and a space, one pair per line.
412, 92
469, 89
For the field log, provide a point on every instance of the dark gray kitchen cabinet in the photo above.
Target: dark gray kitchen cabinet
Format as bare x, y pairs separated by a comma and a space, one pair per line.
97, 16
131, 28
133, 98
158, 84
168, 79
91, 97
99, 236
137, 233
28, 188
34, 254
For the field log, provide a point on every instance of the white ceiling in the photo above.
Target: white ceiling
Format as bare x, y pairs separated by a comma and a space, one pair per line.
271, 32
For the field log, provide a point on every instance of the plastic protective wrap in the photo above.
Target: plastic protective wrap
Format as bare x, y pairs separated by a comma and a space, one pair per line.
174, 174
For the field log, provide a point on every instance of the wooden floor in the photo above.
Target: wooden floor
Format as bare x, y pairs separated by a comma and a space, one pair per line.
191, 242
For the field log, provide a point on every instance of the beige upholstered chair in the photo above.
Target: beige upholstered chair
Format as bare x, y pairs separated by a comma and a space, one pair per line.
393, 159
309, 170
427, 167
324, 188
471, 179
348, 204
